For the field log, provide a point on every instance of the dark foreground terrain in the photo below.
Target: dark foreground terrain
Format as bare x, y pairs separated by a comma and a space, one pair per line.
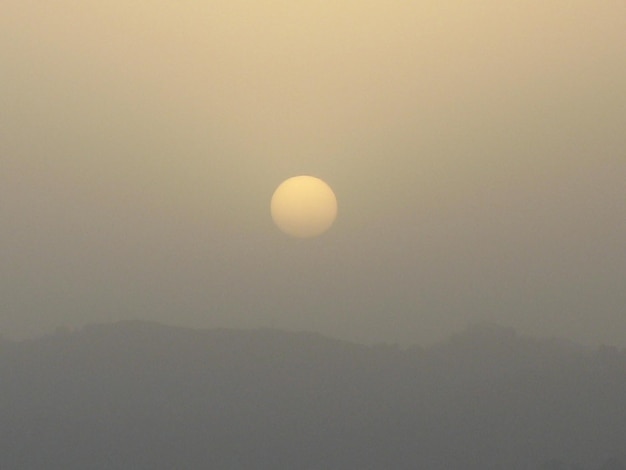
137, 395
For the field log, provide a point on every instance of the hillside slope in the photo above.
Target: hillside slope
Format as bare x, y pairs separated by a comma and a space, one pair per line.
136, 395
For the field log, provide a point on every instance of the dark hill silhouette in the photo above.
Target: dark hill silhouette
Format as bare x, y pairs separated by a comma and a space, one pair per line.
138, 395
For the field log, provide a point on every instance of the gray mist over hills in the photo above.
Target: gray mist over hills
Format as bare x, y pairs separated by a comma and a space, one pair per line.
137, 395
477, 153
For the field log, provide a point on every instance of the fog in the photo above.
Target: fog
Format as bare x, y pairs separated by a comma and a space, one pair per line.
476, 150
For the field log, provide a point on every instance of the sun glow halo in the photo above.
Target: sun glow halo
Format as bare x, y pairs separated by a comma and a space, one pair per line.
304, 206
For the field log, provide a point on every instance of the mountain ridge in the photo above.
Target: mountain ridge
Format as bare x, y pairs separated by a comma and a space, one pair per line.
140, 394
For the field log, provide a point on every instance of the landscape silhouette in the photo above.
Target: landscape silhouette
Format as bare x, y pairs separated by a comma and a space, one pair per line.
142, 395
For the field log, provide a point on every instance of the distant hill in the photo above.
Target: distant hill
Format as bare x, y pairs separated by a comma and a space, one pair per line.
138, 395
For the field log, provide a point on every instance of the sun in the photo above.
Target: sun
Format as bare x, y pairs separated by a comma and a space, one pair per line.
303, 206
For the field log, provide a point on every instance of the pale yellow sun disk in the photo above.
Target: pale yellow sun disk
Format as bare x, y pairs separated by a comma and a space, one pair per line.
304, 206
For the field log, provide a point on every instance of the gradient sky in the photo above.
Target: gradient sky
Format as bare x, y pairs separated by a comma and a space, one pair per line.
477, 150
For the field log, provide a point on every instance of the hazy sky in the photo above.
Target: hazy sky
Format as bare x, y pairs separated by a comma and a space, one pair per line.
477, 150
